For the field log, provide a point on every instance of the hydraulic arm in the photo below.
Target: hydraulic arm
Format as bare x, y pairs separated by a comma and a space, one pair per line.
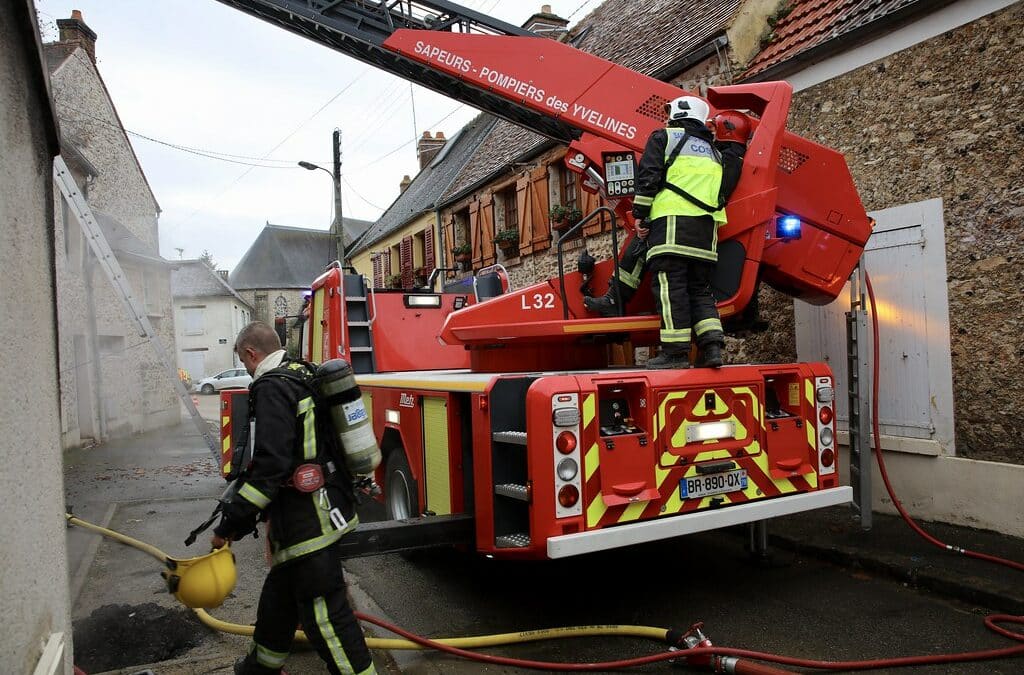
595, 106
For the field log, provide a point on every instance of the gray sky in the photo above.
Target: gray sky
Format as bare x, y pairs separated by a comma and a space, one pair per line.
198, 74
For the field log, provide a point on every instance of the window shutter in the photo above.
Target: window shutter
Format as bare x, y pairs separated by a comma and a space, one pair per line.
523, 205
539, 209
476, 244
378, 271
405, 261
386, 255
489, 252
588, 203
449, 241
429, 258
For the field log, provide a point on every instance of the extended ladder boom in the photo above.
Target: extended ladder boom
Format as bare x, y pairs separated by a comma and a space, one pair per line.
359, 29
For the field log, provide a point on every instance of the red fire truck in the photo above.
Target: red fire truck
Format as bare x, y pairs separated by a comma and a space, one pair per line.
497, 409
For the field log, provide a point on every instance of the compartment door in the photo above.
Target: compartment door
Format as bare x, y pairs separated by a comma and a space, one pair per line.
437, 460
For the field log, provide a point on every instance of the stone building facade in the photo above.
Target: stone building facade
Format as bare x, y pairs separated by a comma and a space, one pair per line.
114, 385
941, 118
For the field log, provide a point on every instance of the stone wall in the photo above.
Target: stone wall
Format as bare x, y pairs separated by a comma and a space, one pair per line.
943, 119
279, 302
125, 387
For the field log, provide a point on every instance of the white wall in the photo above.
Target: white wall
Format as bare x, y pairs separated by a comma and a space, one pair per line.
33, 557
222, 318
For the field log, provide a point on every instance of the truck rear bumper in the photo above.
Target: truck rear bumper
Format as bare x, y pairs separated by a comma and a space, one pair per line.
568, 545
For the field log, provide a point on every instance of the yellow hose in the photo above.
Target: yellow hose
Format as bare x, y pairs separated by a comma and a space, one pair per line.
648, 632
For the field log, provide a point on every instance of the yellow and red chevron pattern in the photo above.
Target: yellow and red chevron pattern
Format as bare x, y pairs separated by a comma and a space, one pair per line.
676, 411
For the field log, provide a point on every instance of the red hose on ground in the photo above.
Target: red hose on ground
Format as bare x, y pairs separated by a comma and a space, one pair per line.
728, 651
881, 461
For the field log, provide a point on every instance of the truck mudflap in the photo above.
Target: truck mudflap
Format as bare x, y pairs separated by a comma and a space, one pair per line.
567, 545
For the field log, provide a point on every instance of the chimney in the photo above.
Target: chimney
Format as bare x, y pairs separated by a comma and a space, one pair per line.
547, 24
223, 274
404, 184
74, 31
427, 147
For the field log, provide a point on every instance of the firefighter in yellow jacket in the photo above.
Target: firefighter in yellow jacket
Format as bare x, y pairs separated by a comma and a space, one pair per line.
683, 181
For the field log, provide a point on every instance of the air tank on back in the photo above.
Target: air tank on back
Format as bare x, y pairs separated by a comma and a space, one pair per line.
336, 383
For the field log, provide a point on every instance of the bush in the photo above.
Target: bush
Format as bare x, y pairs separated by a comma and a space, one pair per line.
565, 214
507, 238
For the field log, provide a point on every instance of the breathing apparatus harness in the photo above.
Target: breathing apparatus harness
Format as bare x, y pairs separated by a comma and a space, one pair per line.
665, 185
329, 466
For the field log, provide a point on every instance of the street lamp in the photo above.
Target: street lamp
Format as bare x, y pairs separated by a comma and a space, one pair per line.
336, 227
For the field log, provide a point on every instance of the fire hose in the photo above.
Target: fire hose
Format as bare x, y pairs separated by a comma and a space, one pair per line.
691, 647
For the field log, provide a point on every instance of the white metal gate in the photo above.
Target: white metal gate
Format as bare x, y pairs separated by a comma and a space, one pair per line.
906, 262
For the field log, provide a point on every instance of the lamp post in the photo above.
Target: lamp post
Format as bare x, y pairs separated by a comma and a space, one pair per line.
337, 228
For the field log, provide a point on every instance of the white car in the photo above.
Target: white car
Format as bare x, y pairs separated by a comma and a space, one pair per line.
232, 378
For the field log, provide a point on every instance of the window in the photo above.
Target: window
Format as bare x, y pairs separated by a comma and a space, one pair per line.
150, 292
280, 306
509, 209
570, 191
194, 319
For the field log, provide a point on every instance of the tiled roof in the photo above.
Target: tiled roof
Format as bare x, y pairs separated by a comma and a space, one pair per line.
195, 279
429, 184
671, 29
284, 257
811, 23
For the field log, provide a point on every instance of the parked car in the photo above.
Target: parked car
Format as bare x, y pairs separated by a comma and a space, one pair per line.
232, 378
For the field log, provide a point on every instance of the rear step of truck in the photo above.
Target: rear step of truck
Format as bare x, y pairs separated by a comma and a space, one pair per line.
391, 536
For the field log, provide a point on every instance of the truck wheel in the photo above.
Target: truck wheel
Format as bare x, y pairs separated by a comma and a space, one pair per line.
401, 498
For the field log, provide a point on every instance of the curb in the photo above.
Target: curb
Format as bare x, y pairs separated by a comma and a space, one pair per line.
925, 575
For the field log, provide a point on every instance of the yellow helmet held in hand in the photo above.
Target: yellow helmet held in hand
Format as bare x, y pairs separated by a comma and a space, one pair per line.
204, 581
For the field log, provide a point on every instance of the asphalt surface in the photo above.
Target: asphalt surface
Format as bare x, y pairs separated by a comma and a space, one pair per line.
828, 591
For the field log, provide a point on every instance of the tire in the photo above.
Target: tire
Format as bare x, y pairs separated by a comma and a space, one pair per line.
401, 496
207, 389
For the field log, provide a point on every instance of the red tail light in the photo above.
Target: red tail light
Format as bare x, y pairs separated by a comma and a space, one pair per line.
566, 442
825, 415
828, 456
568, 496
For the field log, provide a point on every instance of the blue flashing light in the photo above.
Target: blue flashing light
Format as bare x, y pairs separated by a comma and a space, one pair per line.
789, 227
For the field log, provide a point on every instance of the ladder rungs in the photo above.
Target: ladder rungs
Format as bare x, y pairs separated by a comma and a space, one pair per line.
516, 540
512, 490
360, 349
516, 437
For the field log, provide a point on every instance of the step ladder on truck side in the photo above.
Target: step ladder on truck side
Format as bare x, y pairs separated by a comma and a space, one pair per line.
79, 207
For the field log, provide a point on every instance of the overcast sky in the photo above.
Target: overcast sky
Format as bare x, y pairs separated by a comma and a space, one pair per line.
203, 76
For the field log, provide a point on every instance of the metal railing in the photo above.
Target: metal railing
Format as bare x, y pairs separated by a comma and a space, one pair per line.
615, 257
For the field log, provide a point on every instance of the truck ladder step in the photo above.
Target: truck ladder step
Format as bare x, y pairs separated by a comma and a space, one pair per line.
517, 540
516, 437
512, 490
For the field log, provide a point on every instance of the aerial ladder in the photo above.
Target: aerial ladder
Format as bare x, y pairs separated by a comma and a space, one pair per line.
552, 452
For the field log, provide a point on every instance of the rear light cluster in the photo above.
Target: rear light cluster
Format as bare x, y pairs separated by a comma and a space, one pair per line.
565, 433
824, 399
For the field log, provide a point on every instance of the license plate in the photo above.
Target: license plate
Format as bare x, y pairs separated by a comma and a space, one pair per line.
712, 484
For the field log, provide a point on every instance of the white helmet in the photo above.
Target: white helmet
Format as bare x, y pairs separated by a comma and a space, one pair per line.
688, 107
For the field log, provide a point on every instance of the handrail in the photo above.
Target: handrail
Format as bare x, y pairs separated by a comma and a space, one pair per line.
435, 273
615, 257
368, 288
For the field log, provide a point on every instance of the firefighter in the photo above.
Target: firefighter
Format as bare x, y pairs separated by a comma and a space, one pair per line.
307, 518
684, 179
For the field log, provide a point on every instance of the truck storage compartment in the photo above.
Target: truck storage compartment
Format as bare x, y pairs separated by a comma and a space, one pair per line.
789, 434
626, 453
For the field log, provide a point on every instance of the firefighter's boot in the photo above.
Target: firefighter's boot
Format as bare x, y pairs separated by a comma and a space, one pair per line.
710, 356
671, 357
605, 304
248, 665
